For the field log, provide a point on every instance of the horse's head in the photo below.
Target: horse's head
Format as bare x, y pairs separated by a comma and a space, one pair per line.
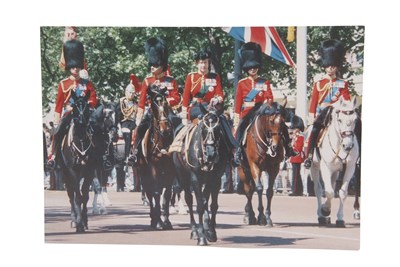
268, 127
344, 118
160, 110
210, 134
80, 111
109, 120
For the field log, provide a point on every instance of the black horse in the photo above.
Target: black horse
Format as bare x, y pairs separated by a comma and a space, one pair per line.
155, 165
200, 166
104, 127
78, 160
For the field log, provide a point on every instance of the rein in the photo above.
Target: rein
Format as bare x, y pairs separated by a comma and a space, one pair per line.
267, 143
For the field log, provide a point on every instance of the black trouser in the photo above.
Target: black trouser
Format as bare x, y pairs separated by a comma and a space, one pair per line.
320, 122
297, 184
127, 135
60, 132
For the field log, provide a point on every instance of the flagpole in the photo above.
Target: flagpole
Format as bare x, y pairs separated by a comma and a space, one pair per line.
301, 62
237, 67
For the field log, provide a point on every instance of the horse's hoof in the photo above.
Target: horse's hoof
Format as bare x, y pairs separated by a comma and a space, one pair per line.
262, 220
340, 224
250, 220
269, 223
357, 215
212, 236
324, 221
167, 225
80, 229
202, 241
194, 235
325, 211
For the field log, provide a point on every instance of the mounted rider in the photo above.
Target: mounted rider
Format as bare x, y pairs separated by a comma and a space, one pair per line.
326, 92
251, 93
74, 63
128, 106
157, 55
204, 87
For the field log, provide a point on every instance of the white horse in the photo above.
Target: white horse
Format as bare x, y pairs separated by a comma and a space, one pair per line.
334, 161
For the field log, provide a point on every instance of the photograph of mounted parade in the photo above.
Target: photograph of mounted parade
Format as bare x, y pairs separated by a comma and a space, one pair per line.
235, 137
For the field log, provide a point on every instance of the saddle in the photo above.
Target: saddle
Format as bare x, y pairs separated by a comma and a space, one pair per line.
184, 134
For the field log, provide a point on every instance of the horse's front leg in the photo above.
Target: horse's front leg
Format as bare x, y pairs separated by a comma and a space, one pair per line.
342, 196
189, 202
166, 200
272, 173
212, 233
324, 210
201, 206
85, 199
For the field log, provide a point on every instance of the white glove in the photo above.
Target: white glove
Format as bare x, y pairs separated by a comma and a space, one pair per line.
185, 122
214, 101
138, 120
84, 74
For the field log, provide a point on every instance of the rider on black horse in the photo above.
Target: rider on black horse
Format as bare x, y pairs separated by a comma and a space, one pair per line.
204, 88
74, 59
326, 92
251, 93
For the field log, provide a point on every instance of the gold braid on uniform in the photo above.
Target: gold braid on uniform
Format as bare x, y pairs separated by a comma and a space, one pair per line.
323, 91
126, 111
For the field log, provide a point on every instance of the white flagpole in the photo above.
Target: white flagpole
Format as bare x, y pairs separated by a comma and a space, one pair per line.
301, 62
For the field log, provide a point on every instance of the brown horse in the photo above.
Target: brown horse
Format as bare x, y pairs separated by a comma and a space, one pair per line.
263, 151
155, 166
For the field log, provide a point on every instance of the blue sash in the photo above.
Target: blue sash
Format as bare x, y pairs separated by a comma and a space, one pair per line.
254, 91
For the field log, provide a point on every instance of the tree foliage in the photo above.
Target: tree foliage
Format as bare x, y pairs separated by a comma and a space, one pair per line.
113, 53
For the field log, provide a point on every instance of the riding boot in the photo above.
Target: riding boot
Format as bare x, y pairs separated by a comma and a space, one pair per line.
312, 143
237, 157
132, 159
289, 152
128, 140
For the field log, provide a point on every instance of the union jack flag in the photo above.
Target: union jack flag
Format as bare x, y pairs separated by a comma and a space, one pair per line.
267, 37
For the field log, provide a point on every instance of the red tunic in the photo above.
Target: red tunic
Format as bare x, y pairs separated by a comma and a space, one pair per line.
64, 92
173, 97
211, 82
243, 106
297, 144
326, 92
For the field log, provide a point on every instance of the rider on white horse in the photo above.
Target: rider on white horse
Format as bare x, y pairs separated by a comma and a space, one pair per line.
326, 92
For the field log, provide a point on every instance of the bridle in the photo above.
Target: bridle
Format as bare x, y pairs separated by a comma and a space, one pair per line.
265, 138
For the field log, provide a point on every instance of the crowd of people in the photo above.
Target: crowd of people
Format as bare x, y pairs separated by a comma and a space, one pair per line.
201, 88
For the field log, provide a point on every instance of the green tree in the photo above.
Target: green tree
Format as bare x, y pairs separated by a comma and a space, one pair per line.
113, 53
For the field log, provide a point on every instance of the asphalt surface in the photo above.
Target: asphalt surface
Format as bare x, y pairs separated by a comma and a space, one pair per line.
127, 222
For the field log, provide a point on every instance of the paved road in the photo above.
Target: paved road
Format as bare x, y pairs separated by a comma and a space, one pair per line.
127, 222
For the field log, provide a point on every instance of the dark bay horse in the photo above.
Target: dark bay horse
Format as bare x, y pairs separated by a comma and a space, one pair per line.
200, 166
78, 160
263, 152
155, 166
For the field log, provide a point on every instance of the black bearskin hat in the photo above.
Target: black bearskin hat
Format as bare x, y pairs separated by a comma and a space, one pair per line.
157, 52
73, 54
332, 53
297, 122
202, 54
250, 55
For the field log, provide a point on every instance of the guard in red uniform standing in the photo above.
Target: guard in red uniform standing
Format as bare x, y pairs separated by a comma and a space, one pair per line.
74, 62
297, 125
326, 92
251, 93
157, 54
